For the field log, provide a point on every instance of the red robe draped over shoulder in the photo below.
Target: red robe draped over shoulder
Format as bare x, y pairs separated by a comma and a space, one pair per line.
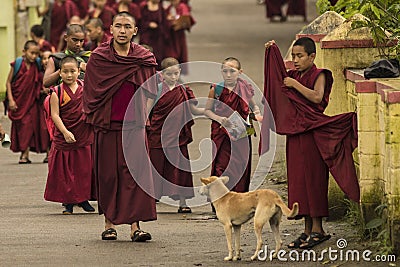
26, 130
330, 138
232, 158
168, 148
123, 176
70, 177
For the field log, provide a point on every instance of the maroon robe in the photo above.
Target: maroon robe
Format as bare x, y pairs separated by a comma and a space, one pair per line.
91, 46
60, 16
45, 45
122, 198
158, 38
133, 9
26, 131
106, 17
178, 48
274, 7
169, 115
295, 7
316, 142
83, 7
70, 177
232, 158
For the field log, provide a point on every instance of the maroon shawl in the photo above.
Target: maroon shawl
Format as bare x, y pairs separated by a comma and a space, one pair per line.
73, 118
105, 73
173, 110
335, 137
25, 90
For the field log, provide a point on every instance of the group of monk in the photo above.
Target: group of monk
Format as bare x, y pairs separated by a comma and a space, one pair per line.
162, 24
107, 148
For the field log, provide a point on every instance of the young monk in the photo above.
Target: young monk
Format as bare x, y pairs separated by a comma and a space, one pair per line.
69, 180
178, 47
74, 38
172, 144
231, 158
95, 33
311, 136
128, 6
23, 93
153, 28
103, 12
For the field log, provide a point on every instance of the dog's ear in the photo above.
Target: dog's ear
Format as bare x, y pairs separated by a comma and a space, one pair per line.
224, 179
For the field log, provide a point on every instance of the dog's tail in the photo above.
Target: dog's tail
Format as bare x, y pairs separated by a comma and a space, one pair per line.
290, 213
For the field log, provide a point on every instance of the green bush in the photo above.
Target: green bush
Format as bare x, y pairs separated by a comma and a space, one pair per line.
383, 18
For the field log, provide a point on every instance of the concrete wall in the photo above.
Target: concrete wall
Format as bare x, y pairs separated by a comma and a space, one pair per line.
7, 40
379, 146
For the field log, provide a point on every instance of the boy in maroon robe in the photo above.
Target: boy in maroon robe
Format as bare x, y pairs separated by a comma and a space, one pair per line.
128, 6
232, 158
178, 48
61, 11
153, 29
23, 93
74, 38
312, 138
115, 72
69, 180
169, 153
95, 33
103, 12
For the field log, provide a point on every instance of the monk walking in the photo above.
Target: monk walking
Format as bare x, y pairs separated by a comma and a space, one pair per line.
114, 74
23, 93
69, 180
231, 157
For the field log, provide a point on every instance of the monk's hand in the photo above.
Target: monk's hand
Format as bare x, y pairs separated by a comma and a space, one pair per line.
69, 137
290, 82
225, 122
153, 25
12, 105
269, 44
82, 66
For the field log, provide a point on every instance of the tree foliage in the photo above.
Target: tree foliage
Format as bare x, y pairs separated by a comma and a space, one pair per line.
383, 18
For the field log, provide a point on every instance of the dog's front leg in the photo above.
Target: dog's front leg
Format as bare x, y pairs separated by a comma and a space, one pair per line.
236, 229
228, 234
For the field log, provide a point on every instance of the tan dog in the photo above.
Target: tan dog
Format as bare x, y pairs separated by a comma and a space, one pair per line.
234, 209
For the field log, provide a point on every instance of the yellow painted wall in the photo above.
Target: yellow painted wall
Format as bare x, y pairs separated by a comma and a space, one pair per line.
7, 40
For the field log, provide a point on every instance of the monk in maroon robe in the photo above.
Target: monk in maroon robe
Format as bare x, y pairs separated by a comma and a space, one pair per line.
130, 7
114, 74
274, 8
316, 143
83, 7
61, 12
23, 92
69, 179
103, 12
153, 29
169, 134
232, 158
178, 48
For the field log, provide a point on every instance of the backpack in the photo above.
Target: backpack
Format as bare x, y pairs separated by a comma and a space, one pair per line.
18, 63
47, 110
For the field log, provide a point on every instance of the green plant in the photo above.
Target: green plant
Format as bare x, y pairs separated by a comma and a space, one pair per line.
383, 19
377, 230
354, 217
